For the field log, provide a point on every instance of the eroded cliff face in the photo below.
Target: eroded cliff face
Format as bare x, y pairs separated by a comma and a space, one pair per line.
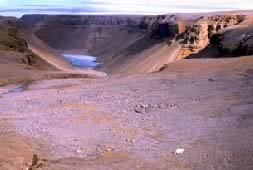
13, 43
10, 39
220, 22
205, 29
83, 32
195, 39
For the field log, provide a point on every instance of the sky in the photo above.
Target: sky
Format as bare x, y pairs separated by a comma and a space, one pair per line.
19, 7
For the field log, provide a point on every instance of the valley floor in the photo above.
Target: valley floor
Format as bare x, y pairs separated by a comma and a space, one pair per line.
134, 122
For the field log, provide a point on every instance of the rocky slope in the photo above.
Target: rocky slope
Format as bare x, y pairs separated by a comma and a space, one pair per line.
17, 62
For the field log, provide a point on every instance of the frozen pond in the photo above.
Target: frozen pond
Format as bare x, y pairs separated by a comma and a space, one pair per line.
81, 60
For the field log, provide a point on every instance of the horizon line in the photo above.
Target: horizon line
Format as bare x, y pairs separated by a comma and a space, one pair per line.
120, 13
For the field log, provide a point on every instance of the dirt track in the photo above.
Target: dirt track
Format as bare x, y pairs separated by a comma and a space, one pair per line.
135, 122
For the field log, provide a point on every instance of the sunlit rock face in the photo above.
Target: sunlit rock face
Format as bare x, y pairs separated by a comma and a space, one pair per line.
198, 35
220, 22
195, 39
236, 42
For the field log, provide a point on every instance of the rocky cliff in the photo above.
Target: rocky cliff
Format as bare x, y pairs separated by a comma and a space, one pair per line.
94, 32
205, 29
195, 39
127, 41
10, 38
12, 41
114, 40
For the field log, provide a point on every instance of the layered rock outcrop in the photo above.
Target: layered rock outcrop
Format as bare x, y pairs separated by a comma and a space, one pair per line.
13, 43
199, 34
220, 22
195, 39
94, 30
10, 38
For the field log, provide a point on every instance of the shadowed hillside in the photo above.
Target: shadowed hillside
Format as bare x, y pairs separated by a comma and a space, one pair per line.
25, 57
117, 41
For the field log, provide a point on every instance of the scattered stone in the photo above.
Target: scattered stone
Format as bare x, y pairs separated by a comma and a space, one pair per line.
130, 141
35, 159
143, 108
108, 150
137, 111
146, 108
161, 105
174, 105
36, 163
61, 102
196, 99
179, 151
78, 151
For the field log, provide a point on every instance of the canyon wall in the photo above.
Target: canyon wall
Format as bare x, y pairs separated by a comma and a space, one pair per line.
114, 40
10, 39
198, 36
126, 41
95, 34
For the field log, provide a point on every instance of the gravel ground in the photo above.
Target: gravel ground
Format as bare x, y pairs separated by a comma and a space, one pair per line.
138, 121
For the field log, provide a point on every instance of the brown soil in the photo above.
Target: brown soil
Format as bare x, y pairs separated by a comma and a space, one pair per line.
16, 151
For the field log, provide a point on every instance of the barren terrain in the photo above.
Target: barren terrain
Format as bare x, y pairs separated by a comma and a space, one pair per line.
137, 122
56, 117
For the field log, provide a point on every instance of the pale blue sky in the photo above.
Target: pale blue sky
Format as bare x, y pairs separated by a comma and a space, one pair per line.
20, 7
